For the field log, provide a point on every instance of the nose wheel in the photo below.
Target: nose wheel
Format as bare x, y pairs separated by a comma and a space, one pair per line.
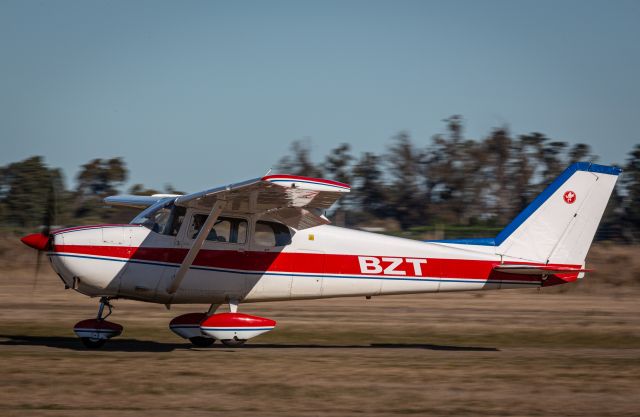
92, 343
94, 333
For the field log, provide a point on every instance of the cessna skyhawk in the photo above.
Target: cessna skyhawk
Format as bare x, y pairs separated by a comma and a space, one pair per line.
266, 239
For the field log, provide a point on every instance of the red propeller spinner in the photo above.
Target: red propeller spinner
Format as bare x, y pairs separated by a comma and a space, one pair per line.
37, 241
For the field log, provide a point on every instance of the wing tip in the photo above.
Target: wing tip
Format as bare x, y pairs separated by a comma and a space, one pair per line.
291, 180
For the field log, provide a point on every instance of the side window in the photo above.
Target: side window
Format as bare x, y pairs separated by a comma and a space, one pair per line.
226, 229
271, 234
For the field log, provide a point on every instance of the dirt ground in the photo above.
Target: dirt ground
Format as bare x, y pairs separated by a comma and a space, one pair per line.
571, 351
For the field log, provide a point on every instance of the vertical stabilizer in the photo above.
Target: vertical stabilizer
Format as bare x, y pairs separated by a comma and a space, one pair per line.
559, 225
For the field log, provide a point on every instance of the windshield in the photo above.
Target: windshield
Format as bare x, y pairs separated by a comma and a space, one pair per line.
163, 218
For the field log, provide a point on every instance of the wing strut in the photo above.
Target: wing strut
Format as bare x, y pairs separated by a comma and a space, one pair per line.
197, 245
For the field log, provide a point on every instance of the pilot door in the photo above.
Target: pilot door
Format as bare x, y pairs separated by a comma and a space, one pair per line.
153, 254
217, 272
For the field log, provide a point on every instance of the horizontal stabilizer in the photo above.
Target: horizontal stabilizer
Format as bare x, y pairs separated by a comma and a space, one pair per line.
539, 269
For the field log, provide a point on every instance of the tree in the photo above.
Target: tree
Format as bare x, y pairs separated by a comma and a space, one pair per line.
523, 170
498, 147
456, 168
25, 191
581, 152
368, 188
337, 166
404, 162
300, 162
98, 179
631, 181
554, 161
139, 189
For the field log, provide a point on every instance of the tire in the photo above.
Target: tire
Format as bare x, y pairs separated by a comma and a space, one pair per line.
233, 342
92, 343
200, 341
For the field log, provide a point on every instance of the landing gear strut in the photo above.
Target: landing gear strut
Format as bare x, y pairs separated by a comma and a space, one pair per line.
92, 342
94, 333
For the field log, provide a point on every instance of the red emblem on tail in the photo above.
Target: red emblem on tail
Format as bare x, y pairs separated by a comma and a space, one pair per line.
569, 197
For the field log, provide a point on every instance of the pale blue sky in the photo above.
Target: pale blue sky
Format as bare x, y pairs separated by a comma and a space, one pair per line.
199, 93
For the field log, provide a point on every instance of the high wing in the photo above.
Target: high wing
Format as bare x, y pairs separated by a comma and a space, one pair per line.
294, 200
136, 201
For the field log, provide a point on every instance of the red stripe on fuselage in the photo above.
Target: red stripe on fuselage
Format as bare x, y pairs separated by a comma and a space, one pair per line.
93, 226
304, 263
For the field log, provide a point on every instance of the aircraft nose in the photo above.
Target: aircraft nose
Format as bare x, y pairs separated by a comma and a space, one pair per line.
36, 241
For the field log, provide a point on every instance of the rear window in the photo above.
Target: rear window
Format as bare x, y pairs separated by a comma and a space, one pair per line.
271, 234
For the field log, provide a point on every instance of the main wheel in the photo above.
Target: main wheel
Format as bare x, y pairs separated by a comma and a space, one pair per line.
200, 341
233, 342
93, 343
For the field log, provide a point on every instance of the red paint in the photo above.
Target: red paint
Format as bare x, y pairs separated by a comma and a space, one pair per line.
237, 320
567, 269
98, 325
311, 263
559, 279
93, 226
569, 197
36, 241
188, 319
299, 178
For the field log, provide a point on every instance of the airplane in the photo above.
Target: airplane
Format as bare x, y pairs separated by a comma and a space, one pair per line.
267, 239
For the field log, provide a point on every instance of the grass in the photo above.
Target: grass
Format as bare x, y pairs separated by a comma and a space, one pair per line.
571, 352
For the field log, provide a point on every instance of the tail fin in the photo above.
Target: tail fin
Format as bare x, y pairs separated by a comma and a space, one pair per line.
559, 225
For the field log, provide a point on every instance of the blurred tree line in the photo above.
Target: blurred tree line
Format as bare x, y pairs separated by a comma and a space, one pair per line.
449, 180
456, 181
28, 187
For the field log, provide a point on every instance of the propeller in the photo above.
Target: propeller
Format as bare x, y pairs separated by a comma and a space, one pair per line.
42, 241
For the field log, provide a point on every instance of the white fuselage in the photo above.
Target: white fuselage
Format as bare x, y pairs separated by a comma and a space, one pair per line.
131, 261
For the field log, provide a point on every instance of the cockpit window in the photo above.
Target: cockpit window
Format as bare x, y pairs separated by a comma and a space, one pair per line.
165, 220
226, 229
174, 223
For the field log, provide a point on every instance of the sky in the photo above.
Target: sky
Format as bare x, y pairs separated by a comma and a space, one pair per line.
203, 93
